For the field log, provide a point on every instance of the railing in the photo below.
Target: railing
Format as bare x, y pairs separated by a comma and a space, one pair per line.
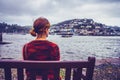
74, 70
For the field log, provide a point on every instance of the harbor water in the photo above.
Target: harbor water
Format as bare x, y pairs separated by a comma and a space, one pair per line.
72, 48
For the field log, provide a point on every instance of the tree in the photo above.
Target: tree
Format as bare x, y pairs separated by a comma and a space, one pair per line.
1, 37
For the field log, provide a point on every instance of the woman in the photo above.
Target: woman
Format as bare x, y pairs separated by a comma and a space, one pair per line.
40, 49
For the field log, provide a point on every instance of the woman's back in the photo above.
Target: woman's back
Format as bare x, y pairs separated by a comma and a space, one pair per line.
42, 50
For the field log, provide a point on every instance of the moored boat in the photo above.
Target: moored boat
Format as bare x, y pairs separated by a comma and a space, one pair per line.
67, 33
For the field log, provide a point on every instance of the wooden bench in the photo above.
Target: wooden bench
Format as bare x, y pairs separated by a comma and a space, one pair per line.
74, 70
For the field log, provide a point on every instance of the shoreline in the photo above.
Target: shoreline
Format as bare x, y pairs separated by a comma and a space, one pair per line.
107, 69
115, 61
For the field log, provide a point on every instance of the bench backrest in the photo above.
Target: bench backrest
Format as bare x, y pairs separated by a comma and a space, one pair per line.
74, 70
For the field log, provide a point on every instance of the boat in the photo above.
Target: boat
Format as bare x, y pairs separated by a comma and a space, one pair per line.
67, 33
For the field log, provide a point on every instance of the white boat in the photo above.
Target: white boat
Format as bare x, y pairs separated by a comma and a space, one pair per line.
66, 33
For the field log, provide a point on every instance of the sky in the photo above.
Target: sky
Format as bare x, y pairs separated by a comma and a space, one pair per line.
24, 12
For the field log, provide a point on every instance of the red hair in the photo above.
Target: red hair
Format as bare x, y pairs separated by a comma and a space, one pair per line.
39, 26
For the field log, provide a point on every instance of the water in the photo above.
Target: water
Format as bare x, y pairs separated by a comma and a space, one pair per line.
73, 48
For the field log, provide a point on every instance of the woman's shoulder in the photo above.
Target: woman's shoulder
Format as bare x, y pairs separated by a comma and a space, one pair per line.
53, 44
29, 43
41, 42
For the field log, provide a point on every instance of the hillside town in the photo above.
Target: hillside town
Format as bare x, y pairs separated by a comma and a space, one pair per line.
85, 27
80, 27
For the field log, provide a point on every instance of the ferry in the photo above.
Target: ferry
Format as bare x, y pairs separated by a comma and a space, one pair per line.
67, 33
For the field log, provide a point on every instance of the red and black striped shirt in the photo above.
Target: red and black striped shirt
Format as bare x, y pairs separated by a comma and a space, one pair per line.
41, 50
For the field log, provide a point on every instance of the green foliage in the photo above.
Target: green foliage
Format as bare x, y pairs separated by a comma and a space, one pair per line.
14, 28
107, 71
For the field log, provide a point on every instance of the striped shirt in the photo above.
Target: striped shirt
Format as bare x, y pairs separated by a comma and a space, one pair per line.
41, 50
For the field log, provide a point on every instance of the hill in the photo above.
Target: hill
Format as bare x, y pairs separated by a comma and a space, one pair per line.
86, 27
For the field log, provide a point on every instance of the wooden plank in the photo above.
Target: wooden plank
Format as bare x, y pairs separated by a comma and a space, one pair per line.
44, 75
20, 74
33, 76
57, 74
77, 74
7, 73
68, 74
43, 64
90, 69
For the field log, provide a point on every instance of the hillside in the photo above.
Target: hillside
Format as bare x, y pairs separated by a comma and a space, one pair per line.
86, 27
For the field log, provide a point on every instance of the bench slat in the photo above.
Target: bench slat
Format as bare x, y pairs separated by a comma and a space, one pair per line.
44, 75
57, 73
68, 74
7, 73
43, 64
77, 74
90, 69
20, 73
33, 76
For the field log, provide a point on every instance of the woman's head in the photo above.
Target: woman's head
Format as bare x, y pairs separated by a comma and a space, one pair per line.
40, 26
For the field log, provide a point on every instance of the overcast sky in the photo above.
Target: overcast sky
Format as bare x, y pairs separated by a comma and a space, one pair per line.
24, 12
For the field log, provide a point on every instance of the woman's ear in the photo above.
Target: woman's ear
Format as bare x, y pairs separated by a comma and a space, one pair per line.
47, 32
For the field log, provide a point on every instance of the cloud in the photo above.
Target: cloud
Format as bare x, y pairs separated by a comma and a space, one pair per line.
107, 1
25, 11
21, 7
